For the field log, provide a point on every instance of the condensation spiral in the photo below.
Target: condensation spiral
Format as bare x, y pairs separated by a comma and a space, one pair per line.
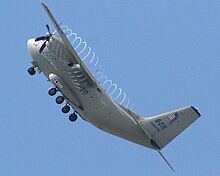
92, 61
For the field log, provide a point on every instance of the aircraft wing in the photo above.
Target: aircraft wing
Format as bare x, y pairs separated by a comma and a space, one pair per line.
69, 47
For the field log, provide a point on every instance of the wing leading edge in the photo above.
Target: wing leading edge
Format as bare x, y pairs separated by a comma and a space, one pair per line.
69, 47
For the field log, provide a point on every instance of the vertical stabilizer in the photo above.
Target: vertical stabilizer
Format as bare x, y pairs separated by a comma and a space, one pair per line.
165, 127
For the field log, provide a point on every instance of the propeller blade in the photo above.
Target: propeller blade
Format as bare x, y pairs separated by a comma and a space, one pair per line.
48, 28
46, 38
42, 47
40, 38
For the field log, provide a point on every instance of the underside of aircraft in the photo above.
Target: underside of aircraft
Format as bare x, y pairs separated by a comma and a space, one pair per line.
75, 71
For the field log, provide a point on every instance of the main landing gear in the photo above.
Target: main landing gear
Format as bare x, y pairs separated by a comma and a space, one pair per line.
52, 91
59, 100
73, 117
65, 109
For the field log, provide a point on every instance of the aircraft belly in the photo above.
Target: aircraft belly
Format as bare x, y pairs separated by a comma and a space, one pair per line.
92, 104
54, 71
104, 114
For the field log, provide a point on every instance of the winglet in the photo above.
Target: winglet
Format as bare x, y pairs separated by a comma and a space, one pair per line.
161, 154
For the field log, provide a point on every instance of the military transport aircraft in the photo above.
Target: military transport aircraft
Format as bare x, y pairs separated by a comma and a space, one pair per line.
57, 58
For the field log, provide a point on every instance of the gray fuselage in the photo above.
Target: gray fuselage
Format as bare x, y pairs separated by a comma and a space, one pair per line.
90, 101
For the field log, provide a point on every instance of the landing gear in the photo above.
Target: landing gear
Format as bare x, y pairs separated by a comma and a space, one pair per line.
73, 117
65, 109
52, 91
60, 99
31, 71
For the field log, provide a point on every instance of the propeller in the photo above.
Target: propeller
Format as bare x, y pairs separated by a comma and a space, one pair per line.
46, 38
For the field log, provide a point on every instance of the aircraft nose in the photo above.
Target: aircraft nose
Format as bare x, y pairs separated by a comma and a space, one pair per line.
32, 47
30, 43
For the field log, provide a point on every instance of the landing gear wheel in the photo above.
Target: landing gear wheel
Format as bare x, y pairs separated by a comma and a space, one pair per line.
65, 109
31, 71
60, 99
73, 117
52, 91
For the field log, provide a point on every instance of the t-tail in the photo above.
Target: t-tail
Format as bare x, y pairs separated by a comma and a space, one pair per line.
165, 127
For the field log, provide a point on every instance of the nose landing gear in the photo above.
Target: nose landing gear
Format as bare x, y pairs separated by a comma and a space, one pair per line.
31, 71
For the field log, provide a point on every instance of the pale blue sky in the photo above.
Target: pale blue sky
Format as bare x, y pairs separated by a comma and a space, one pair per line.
165, 54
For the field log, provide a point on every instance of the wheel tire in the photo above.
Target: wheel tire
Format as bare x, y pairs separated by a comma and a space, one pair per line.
52, 91
31, 71
65, 109
60, 99
73, 117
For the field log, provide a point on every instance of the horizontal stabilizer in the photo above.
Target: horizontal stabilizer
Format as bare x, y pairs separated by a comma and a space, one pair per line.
165, 127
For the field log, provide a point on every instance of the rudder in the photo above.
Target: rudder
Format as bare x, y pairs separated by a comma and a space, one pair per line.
165, 127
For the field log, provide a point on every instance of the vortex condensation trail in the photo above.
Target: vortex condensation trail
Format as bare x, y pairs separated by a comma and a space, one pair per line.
92, 61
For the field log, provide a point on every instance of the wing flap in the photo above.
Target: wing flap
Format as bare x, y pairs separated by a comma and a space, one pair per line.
165, 127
